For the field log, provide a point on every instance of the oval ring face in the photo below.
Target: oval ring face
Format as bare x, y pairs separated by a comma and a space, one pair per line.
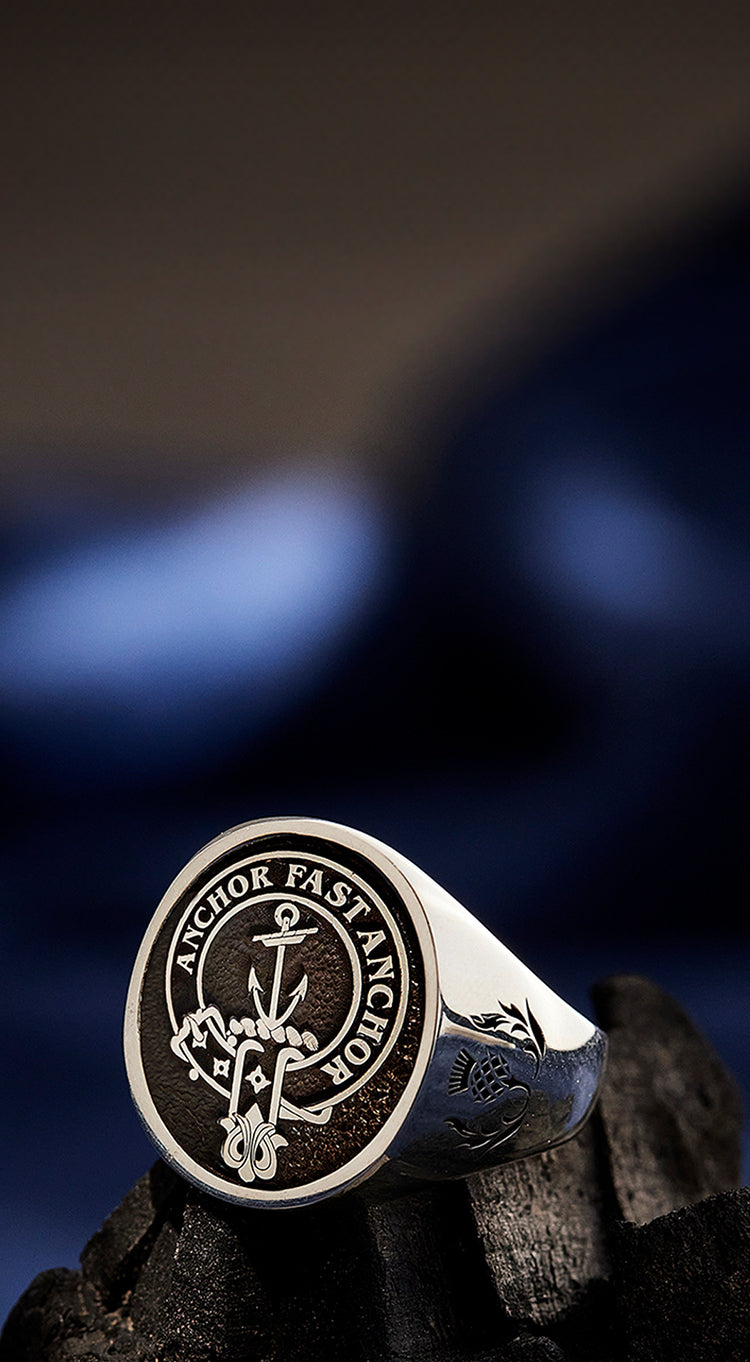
281, 1013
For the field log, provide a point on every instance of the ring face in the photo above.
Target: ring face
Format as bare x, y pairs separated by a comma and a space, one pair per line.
281, 1015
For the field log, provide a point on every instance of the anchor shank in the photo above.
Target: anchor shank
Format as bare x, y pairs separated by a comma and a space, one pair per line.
273, 1012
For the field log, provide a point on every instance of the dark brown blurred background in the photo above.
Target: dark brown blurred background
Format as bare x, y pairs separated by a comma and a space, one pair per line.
228, 230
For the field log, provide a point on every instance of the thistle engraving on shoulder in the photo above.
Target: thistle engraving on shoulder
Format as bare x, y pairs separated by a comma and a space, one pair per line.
487, 1077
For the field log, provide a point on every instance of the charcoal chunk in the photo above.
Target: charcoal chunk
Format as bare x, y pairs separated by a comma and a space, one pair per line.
610, 1248
114, 1255
671, 1113
682, 1283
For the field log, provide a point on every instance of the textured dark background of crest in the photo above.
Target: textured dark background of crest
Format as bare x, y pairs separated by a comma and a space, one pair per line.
374, 435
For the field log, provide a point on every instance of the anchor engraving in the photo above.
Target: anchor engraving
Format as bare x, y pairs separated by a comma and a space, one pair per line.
252, 1139
287, 916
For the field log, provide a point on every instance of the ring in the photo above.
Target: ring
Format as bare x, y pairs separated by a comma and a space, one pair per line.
309, 1010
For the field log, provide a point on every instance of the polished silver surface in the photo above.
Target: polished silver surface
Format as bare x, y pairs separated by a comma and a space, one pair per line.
309, 1011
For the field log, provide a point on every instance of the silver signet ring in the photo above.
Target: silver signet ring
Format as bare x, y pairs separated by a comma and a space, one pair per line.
309, 1010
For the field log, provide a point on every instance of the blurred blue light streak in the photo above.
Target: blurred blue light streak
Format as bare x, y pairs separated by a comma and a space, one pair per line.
240, 601
596, 538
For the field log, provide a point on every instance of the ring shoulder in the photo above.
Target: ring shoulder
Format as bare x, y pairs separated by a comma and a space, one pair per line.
515, 1069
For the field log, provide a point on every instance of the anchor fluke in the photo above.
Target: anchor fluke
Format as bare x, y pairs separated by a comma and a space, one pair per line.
253, 983
295, 997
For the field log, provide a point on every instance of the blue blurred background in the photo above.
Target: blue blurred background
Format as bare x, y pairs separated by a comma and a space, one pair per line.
507, 629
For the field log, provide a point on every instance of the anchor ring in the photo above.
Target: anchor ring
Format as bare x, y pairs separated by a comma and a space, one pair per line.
309, 1011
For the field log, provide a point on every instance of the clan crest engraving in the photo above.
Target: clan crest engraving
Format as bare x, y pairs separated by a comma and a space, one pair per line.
253, 1137
286, 981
